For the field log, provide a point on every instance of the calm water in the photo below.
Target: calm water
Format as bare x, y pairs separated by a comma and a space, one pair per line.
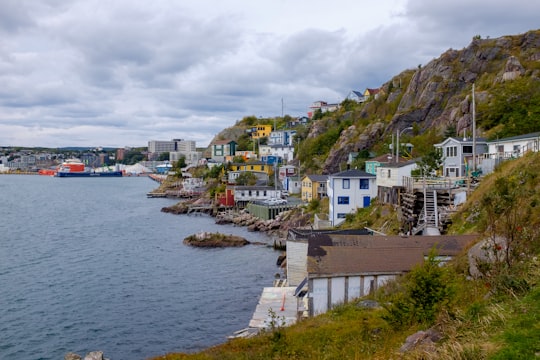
92, 264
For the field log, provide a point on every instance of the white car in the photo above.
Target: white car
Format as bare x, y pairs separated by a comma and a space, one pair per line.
275, 201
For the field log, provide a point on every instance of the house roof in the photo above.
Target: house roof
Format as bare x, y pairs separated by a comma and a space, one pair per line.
340, 261
372, 91
352, 173
398, 164
380, 158
246, 187
518, 137
461, 141
304, 234
331, 254
317, 178
256, 162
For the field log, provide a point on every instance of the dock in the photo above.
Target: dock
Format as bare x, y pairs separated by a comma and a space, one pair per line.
156, 195
277, 307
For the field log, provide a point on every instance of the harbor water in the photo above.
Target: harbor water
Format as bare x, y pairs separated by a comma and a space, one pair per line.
91, 264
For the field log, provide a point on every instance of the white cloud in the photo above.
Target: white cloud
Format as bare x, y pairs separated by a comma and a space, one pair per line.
116, 73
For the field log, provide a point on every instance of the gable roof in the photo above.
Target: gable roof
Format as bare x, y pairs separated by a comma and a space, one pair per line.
332, 254
517, 137
461, 141
357, 93
342, 260
380, 158
398, 164
317, 178
352, 173
372, 91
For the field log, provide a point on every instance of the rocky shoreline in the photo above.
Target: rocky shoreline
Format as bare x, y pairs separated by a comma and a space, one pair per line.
277, 228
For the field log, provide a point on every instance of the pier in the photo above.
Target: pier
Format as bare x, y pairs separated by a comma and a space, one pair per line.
277, 307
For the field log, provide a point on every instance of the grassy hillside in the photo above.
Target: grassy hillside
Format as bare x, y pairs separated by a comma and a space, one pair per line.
493, 317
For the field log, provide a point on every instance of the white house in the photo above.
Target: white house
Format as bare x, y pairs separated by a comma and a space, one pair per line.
508, 148
355, 95
390, 180
458, 155
286, 152
349, 190
245, 194
282, 137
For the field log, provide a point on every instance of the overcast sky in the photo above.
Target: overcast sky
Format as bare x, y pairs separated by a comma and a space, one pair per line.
122, 72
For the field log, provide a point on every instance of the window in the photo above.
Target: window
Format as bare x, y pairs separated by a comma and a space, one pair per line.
343, 200
341, 215
364, 183
346, 183
451, 151
467, 149
389, 173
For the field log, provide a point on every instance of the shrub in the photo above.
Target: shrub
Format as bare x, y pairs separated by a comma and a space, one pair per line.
427, 289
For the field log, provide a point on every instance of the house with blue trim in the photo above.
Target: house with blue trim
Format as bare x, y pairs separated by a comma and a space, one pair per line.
347, 191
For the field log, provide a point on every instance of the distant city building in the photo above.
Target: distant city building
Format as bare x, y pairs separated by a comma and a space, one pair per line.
158, 147
120, 154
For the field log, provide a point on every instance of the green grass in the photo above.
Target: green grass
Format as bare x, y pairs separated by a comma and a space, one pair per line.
521, 336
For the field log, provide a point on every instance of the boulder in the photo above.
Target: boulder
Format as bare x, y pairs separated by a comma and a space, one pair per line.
424, 340
94, 355
72, 356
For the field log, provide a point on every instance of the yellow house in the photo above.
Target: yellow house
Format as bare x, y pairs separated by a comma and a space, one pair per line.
374, 93
313, 187
256, 166
261, 131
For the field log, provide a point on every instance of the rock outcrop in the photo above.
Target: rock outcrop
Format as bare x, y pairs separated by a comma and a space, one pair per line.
94, 355
214, 240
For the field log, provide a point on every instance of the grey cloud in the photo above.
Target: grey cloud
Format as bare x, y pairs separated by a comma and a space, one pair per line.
14, 16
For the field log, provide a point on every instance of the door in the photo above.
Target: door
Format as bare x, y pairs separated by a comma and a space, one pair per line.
367, 201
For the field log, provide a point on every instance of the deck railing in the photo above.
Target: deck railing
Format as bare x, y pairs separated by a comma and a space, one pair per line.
415, 183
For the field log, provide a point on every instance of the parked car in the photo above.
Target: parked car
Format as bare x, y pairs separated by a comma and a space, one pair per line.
275, 201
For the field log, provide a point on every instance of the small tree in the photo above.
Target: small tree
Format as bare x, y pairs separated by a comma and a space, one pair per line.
430, 164
164, 156
427, 290
246, 178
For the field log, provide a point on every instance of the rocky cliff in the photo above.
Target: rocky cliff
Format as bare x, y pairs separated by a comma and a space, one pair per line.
437, 95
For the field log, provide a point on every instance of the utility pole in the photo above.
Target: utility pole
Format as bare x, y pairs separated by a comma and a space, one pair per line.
397, 141
473, 131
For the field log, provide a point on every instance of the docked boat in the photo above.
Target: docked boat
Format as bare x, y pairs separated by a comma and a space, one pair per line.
75, 168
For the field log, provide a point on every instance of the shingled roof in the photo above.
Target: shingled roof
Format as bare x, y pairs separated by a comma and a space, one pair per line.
331, 254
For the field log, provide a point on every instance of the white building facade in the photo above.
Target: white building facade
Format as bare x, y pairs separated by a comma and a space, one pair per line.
348, 191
